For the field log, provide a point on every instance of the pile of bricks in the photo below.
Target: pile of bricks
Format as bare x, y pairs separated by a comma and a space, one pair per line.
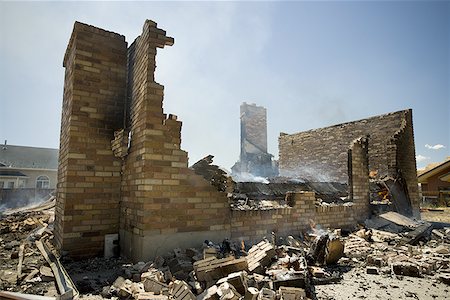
211, 268
259, 256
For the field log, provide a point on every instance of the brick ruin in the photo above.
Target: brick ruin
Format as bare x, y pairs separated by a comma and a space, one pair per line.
321, 154
254, 158
148, 193
122, 172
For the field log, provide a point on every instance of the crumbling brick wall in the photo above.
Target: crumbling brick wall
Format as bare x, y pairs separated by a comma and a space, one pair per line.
252, 225
164, 203
321, 154
156, 199
88, 173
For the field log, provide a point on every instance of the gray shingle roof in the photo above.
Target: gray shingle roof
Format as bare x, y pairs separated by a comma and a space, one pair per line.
28, 157
12, 173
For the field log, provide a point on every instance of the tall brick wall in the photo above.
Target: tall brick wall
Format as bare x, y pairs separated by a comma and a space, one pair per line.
321, 154
164, 203
88, 173
405, 156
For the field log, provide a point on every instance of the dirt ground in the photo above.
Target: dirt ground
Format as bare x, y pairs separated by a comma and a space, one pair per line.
357, 284
441, 214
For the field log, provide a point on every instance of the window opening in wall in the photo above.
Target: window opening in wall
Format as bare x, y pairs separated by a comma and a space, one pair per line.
2, 184
10, 185
42, 182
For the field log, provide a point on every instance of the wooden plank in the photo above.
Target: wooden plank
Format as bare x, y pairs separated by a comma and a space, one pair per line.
65, 285
19, 265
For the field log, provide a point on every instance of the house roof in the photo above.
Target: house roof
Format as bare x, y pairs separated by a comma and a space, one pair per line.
11, 173
28, 157
445, 177
422, 178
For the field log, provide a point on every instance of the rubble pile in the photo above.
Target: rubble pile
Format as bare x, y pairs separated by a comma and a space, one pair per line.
390, 245
25, 243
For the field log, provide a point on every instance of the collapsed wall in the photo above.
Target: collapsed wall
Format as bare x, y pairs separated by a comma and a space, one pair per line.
164, 203
322, 154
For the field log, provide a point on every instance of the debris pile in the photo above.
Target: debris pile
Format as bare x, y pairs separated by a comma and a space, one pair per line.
270, 194
27, 260
389, 194
390, 245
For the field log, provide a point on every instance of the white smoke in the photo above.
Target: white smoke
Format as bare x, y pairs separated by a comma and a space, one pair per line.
308, 174
247, 177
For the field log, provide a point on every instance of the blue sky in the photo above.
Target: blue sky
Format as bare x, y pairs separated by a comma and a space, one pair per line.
311, 64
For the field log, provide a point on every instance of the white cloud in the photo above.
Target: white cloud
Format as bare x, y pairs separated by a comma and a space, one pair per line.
435, 147
421, 158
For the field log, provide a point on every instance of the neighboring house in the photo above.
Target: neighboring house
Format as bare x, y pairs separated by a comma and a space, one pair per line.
27, 168
435, 183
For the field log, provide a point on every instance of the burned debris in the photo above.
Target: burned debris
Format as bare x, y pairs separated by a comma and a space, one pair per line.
279, 267
212, 173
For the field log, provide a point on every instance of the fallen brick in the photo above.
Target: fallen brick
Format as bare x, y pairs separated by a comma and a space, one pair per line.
266, 294
154, 286
406, 269
259, 256
209, 294
211, 269
291, 293
180, 290
238, 280
252, 293
227, 292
